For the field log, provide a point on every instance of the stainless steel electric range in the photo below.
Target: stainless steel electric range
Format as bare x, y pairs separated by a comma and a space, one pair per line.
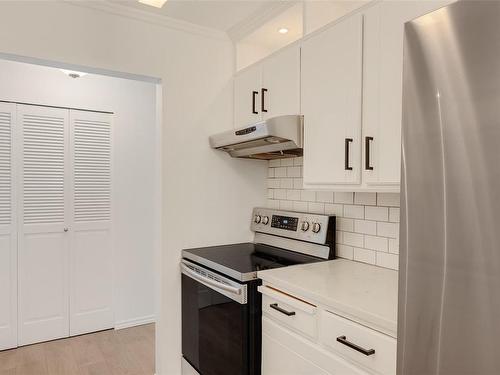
221, 308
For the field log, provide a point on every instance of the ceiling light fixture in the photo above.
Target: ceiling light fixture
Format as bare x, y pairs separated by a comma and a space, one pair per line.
283, 30
154, 3
73, 73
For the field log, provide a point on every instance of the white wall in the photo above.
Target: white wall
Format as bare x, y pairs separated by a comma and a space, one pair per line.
202, 188
134, 105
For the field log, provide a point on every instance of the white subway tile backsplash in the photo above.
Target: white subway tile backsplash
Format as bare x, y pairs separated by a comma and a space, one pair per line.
376, 243
388, 199
287, 162
316, 208
280, 172
346, 198
344, 252
324, 196
387, 229
346, 225
339, 237
273, 203
365, 226
376, 213
297, 160
355, 212
293, 195
308, 195
364, 255
353, 239
286, 205
300, 206
273, 183
365, 198
275, 162
297, 183
387, 260
334, 209
367, 223
280, 193
286, 183
394, 215
393, 246
294, 171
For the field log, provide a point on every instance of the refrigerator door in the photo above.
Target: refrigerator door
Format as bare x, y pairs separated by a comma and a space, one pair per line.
449, 301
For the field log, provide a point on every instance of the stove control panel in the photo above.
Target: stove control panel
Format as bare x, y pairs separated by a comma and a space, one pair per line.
296, 225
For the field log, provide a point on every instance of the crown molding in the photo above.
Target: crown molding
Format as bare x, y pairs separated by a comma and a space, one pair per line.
151, 18
252, 23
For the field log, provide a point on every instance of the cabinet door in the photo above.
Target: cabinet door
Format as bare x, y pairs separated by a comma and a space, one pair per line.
43, 238
277, 359
280, 93
8, 230
331, 103
91, 271
247, 96
382, 92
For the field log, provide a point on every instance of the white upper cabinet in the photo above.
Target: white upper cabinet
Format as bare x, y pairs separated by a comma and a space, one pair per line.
280, 94
331, 95
247, 87
269, 88
382, 92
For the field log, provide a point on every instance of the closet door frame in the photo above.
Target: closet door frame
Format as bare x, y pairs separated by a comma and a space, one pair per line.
9, 233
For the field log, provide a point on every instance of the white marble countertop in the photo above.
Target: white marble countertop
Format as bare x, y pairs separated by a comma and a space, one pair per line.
361, 292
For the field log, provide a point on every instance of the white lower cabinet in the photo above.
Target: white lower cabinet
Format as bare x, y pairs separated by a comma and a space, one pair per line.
290, 345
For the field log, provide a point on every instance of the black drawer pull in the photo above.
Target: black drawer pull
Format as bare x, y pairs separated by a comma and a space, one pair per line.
343, 340
368, 167
283, 311
347, 167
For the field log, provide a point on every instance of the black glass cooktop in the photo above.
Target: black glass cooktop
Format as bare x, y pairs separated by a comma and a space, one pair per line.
242, 261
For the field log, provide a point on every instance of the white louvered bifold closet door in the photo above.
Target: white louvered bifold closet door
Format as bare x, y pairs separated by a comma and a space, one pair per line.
8, 230
91, 255
44, 221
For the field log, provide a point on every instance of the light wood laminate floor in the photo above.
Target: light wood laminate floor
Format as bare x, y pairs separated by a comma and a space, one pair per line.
129, 351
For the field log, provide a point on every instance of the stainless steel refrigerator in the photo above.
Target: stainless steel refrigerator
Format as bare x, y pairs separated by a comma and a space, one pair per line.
449, 283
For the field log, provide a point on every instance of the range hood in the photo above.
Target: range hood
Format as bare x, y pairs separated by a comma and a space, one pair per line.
275, 138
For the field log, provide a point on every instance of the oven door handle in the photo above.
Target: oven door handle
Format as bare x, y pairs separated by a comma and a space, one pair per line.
188, 271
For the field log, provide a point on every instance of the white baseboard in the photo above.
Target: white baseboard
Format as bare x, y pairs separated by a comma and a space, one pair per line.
135, 322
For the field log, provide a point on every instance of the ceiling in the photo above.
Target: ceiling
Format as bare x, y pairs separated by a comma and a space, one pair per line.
221, 15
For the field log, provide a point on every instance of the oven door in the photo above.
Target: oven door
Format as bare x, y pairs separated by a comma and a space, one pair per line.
215, 322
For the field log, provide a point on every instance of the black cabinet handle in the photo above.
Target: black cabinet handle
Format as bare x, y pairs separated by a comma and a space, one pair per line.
343, 340
263, 100
254, 94
346, 158
283, 311
367, 153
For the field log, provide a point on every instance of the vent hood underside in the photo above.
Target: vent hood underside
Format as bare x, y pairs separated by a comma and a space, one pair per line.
276, 138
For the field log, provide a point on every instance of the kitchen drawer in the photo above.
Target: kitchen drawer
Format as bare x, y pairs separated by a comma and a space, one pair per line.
335, 328
290, 311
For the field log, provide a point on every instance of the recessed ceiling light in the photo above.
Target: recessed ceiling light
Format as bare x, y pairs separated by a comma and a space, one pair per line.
283, 30
73, 73
154, 3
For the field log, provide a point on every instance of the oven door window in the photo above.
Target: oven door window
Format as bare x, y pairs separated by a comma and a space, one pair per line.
214, 330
